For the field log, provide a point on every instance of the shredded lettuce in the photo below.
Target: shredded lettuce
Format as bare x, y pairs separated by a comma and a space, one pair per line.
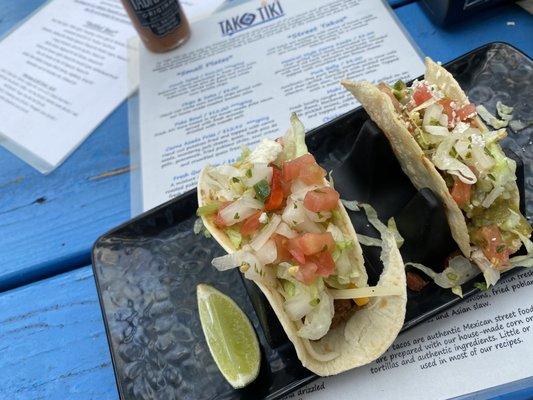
199, 227
391, 224
490, 119
351, 205
317, 322
369, 241
459, 271
505, 112
294, 140
491, 274
445, 162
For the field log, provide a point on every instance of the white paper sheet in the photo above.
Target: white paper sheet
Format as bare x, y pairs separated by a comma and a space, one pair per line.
244, 71
484, 342
61, 73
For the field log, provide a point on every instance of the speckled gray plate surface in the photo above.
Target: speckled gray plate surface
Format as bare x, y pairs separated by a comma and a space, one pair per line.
147, 270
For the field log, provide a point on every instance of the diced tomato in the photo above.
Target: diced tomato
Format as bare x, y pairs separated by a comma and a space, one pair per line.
285, 187
291, 169
304, 168
421, 94
251, 224
312, 243
219, 221
415, 282
448, 110
466, 112
275, 199
282, 245
461, 192
307, 273
313, 174
323, 199
324, 262
296, 250
494, 249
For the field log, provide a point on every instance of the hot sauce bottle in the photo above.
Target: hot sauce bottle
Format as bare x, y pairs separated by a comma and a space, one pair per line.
161, 24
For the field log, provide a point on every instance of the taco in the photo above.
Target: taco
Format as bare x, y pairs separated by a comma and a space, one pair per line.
442, 144
282, 223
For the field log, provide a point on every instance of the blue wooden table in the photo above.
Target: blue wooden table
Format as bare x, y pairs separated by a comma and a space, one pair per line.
52, 339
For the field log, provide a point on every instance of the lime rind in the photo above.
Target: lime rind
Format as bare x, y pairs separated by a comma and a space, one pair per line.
230, 336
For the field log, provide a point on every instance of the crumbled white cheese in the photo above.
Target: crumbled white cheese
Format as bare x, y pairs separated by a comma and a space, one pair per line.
263, 218
266, 152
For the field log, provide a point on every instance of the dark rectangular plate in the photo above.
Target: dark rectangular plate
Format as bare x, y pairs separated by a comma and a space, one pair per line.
147, 270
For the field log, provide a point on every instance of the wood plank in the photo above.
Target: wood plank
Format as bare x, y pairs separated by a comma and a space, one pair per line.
12, 12
48, 223
52, 341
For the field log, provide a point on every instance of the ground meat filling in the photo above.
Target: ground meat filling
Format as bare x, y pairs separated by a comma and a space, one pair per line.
343, 310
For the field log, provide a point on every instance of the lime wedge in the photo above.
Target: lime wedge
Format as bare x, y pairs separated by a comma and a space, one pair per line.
230, 336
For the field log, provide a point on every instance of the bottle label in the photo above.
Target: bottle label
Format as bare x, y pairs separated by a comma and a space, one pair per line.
160, 16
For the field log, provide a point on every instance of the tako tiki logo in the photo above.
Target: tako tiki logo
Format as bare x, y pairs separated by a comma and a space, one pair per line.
259, 16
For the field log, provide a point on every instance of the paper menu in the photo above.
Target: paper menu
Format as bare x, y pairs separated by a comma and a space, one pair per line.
246, 69
483, 342
61, 73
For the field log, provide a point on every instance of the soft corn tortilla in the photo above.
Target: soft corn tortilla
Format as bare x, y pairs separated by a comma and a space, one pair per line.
362, 338
419, 168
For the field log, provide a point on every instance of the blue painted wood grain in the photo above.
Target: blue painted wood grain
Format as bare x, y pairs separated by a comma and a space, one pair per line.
487, 26
52, 341
48, 223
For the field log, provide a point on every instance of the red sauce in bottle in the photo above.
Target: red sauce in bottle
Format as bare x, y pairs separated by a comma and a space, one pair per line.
161, 24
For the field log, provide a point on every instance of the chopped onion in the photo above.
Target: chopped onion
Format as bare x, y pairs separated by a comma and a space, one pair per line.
240, 210
284, 230
317, 217
268, 253
299, 189
229, 261
294, 212
258, 172
309, 226
462, 147
437, 130
264, 234
433, 112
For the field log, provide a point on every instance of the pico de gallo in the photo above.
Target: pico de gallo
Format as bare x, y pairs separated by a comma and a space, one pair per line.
480, 178
284, 221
